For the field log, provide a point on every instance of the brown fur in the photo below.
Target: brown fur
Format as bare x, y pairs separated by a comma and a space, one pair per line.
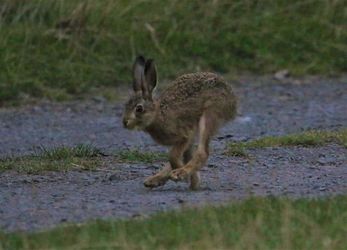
194, 104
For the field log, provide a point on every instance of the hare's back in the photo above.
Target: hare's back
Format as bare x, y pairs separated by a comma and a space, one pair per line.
192, 86
189, 95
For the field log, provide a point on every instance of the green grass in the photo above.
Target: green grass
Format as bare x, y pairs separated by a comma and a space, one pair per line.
305, 139
56, 159
82, 156
257, 223
135, 155
59, 153
39, 59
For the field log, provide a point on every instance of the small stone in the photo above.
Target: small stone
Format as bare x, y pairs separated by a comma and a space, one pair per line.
326, 160
113, 177
36, 109
282, 74
297, 82
99, 99
180, 201
211, 166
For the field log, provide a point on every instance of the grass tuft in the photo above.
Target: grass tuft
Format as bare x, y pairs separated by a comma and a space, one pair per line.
237, 150
82, 156
56, 159
59, 153
257, 223
305, 139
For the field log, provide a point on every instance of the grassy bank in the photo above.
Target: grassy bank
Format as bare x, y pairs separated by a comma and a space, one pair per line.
57, 49
253, 224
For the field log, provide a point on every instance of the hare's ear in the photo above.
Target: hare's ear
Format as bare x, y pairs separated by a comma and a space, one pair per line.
138, 73
150, 77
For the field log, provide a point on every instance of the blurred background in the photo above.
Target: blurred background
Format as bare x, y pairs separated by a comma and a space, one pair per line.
58, 49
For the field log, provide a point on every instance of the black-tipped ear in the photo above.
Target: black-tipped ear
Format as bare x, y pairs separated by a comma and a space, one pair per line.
138, 73
150, 76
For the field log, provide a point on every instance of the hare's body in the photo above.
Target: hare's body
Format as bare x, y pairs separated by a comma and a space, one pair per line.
183, 102
194, 105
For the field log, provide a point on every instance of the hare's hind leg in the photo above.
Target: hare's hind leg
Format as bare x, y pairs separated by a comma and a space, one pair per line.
195, 176
208, 125
175, 161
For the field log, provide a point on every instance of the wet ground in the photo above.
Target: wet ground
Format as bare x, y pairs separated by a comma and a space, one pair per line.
267, 107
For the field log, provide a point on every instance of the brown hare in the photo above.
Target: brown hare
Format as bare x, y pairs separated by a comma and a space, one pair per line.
194, 105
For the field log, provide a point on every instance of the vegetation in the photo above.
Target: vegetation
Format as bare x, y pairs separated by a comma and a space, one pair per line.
88, 157
56, 159
305, 139
82, 156
59, 153
56, 49
257, 223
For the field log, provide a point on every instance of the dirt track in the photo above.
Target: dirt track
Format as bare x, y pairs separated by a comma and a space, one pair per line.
31, 202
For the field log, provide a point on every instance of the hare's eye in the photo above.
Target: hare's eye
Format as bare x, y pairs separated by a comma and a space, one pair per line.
139, 108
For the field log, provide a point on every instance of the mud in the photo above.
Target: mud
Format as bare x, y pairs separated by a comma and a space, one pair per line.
36, 202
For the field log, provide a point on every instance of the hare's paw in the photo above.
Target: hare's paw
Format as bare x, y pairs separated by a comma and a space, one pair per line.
155, 181
179, 174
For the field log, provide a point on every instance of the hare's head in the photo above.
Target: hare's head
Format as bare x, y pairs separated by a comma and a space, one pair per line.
140, 109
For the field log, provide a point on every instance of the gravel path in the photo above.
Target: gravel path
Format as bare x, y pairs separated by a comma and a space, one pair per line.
34, 202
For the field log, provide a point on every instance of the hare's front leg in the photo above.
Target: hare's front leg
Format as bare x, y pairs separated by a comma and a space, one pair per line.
207, 126
175, 161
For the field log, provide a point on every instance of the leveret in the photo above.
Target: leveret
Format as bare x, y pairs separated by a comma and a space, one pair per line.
192, 107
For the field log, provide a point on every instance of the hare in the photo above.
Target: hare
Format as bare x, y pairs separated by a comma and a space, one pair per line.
194, 105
